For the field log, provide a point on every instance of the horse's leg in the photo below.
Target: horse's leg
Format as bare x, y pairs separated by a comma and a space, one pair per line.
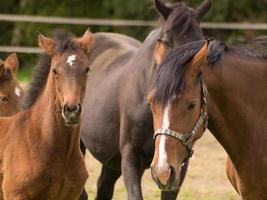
169, 195
132, 172
1, 187
84, 195
106, 182
233, 176
82, 147
172, 195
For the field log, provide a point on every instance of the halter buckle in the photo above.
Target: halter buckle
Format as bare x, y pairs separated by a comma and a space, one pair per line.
187, 140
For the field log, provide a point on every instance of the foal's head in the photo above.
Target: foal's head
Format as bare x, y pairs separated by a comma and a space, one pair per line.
177, 100
69, 69
10, 90
180, 23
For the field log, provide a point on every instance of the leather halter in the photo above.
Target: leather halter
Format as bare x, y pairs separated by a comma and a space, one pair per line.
187, 139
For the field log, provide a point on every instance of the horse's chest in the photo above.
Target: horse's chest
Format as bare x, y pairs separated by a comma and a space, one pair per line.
65, 182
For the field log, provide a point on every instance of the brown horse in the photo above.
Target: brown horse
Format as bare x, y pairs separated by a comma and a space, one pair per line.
236, 111
10, 89
40, 146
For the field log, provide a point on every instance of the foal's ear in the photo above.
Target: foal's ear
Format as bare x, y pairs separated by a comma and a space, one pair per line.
86, 41
160, 51
2, 68
12, 63
196, 64
47, 44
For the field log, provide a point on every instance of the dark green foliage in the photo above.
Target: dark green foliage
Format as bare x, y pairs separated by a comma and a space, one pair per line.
24, 34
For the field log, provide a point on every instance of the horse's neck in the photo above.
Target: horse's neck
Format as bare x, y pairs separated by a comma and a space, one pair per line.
142, 64
237, 105
50, 125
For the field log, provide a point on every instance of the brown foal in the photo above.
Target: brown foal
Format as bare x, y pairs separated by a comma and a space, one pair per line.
40, 146
10, 90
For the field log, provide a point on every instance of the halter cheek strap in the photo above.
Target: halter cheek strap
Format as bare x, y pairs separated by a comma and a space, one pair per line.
187, 139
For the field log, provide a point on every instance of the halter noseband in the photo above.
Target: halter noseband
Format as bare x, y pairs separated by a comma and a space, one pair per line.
187, 139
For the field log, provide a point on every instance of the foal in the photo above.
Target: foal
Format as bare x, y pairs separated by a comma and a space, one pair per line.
10, 90
40, 147
236, 82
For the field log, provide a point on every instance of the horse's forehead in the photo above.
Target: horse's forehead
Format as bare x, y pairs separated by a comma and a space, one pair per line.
71, 59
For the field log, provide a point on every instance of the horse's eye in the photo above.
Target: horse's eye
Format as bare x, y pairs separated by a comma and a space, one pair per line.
54, 71
191, 106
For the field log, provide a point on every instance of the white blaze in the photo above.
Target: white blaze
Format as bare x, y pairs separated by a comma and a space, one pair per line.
17, 91
71, 59
162, 149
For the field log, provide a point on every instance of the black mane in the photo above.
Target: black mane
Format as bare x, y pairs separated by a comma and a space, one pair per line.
168, 79
41, 70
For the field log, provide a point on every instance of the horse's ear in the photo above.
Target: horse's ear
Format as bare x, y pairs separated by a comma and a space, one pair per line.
196, 64
203, 8
2, 68
12, 63
160, 51
162, 9
87, 40
47, 44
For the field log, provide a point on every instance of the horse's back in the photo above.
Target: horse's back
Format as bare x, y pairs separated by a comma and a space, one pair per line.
108, 48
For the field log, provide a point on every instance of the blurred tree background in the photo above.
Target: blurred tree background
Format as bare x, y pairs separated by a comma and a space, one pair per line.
24, 34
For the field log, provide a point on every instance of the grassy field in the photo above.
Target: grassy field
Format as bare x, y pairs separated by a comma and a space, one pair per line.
206, 179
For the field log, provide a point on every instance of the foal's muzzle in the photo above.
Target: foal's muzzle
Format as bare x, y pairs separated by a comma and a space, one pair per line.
72, 113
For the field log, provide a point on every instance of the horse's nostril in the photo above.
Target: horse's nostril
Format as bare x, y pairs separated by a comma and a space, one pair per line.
163, 175
72, 109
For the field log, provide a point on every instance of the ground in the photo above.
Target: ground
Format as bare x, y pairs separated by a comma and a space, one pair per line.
205, 180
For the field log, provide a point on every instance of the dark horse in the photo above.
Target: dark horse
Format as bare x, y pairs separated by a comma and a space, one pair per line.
117, 123
235, 101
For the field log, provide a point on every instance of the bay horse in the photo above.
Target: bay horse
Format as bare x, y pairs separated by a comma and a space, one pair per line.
10, 90
40, 147
117, 123
226, 84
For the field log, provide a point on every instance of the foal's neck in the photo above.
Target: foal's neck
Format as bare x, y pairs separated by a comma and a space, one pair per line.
237, 105
59, 137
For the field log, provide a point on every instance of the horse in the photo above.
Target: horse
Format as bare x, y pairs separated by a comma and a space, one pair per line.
10, 90
116, 123
40, 153
208, 84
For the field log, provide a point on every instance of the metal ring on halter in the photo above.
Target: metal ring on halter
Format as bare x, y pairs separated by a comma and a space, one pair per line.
187, 139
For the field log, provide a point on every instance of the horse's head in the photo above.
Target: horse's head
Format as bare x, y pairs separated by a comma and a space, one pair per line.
178, 103
180, 23
69, 69
10, 90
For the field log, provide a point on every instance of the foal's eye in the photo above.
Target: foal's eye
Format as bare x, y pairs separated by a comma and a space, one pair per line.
54, 71
191, 106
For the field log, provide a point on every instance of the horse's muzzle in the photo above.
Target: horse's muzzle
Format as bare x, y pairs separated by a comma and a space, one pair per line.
172, 183
71, 114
